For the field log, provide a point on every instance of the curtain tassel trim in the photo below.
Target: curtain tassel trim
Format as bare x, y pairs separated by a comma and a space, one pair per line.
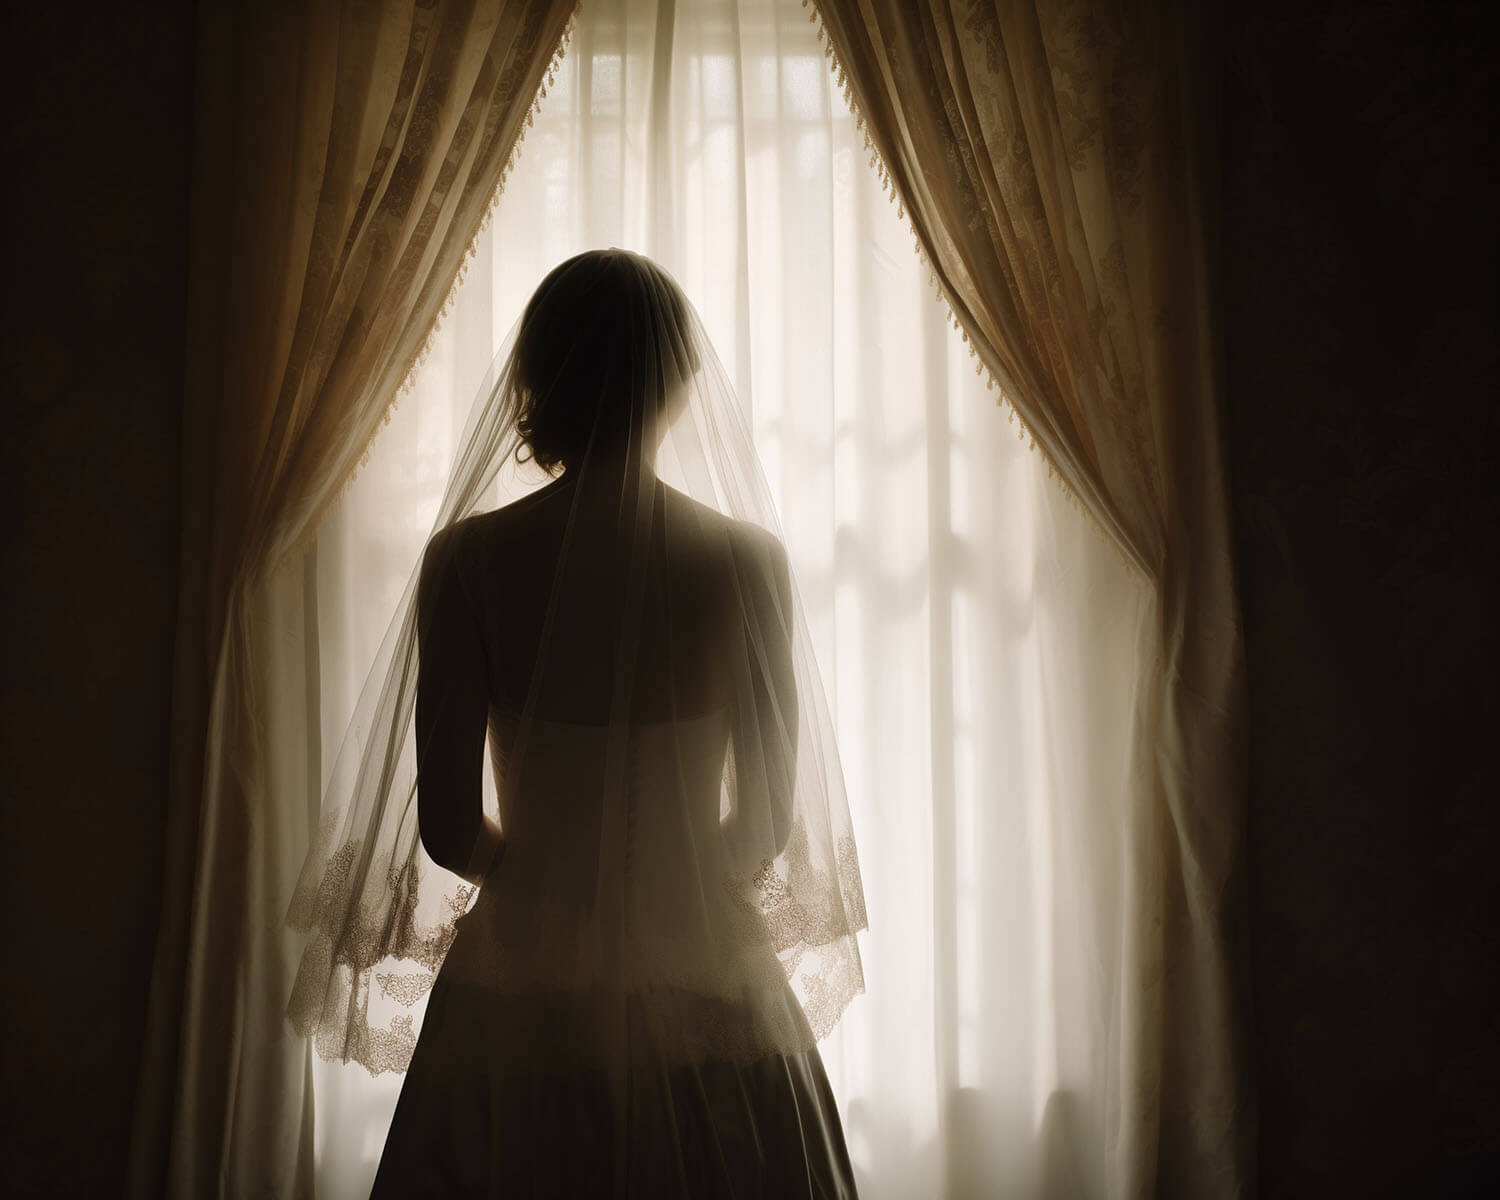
892, 193
419, 356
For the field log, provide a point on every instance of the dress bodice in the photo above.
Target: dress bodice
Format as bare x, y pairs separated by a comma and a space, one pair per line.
618, 865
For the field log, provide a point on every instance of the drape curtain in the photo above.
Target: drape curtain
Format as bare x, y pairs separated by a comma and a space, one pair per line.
981, 643
344, 156
1057, 162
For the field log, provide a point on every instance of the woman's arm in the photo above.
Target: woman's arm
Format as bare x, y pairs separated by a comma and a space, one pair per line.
451, 720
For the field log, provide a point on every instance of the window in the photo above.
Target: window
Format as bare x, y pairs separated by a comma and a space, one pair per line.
973, 632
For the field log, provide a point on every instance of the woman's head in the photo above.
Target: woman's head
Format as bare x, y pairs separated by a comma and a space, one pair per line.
604, 346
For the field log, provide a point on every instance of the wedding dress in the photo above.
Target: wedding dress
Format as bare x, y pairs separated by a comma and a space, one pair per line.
632, 956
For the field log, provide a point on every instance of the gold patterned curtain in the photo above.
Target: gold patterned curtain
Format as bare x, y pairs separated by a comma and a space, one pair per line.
345, 156
1057, 161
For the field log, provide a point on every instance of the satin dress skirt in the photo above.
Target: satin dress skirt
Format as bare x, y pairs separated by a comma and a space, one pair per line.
481, 1115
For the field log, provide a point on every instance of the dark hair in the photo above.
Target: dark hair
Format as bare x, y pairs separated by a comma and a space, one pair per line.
594, 349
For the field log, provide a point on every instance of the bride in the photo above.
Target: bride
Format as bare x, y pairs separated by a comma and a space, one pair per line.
632, 953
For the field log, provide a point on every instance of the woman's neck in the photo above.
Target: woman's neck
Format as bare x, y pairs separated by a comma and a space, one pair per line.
611, 467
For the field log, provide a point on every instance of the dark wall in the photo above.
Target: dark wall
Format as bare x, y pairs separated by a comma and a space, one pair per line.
1360, 224
96, 163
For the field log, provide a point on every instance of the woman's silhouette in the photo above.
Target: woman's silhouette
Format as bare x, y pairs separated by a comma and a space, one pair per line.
614, 1016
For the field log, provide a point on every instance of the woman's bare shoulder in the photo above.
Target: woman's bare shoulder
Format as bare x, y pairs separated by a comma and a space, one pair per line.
515, 520
446, 545
465, 546
733, 548
749, 546
743, 536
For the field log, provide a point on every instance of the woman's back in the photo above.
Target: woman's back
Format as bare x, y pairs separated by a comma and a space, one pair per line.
644, 610
612, 1017
612, 711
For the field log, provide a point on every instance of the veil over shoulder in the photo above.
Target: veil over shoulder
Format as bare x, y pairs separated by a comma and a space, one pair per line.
667, 875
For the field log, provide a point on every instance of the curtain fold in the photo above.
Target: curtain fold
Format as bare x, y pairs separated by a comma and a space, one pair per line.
345, 156
1057, 163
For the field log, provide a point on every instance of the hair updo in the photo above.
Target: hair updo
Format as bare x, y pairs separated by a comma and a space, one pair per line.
602, 343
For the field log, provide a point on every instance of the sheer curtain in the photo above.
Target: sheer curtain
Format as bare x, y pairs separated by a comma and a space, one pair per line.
978, 638
344, 155
1058, 160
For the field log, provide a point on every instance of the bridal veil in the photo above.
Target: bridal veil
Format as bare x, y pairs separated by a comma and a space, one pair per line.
674, 834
